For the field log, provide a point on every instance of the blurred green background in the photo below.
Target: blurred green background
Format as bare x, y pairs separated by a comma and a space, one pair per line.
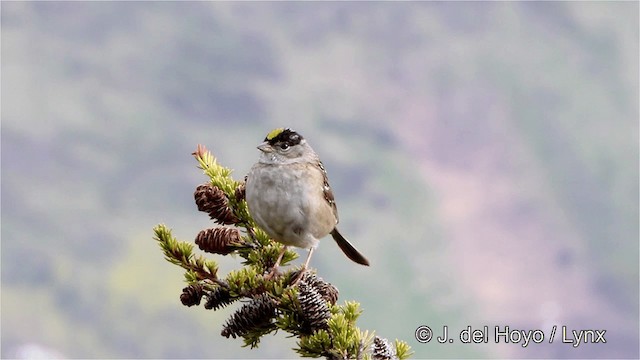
484, 156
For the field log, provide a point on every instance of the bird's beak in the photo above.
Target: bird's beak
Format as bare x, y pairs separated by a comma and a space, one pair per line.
265, 147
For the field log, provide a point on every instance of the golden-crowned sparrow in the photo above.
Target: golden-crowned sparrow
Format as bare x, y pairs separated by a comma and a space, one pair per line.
289, 196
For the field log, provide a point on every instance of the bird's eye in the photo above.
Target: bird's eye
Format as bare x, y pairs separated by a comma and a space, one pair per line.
284, 146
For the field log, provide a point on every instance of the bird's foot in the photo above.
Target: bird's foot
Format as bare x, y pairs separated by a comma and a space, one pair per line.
297, 277
273, 273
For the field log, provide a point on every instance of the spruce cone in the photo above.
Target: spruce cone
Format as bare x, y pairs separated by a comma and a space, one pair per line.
212, 200
382, 350
315, 311
255, 315
191, 295
241, 191
219, 240
218, 298
326, 290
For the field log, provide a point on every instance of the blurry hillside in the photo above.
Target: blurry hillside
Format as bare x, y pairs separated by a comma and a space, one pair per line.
484, 157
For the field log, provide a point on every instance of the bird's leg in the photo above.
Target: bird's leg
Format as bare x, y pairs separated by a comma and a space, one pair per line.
304, 268
274, 269
306, 263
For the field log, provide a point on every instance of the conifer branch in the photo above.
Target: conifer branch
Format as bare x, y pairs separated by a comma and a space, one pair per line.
307, 310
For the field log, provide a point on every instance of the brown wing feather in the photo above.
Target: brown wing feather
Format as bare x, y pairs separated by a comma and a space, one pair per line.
326, 189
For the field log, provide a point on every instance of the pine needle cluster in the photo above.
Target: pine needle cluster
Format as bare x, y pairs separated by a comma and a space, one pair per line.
307, 310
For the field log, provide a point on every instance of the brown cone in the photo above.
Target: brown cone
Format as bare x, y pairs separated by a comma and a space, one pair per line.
212, 200
220, 240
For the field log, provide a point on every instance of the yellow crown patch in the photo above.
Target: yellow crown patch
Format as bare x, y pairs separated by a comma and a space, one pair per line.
274, 133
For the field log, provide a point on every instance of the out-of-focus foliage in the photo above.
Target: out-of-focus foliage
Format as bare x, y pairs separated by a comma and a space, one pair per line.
484, 156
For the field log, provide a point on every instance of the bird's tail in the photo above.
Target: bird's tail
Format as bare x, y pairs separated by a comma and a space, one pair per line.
348, 249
